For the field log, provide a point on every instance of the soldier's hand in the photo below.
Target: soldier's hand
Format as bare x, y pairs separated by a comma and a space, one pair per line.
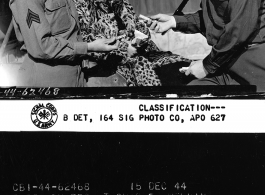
196, 69
104, 45
161, 23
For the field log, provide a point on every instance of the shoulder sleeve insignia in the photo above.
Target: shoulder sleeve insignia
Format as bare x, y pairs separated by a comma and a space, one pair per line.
32, 17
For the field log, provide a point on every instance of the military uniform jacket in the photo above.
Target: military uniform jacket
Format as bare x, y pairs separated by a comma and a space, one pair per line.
231, 27
49, 30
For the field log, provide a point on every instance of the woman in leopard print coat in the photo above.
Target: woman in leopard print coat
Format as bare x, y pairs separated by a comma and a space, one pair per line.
112, 18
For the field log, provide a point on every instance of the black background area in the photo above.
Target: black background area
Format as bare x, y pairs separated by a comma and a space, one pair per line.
110, 162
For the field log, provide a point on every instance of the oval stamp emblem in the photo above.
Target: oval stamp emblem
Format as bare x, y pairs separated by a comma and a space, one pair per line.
44, 117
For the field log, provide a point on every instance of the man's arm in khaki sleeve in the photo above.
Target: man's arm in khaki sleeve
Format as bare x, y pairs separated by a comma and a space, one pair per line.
38, 38
16, 29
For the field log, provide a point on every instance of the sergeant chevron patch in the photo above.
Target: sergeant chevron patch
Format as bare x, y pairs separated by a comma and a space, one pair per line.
32, 17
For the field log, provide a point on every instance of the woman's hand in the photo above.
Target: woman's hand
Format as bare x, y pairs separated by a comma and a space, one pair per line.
103, 45
132, 51
161, 23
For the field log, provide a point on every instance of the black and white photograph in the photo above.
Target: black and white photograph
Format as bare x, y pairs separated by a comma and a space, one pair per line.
132, 97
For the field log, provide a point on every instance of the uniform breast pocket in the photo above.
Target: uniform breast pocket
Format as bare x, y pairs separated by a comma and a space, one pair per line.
58, 16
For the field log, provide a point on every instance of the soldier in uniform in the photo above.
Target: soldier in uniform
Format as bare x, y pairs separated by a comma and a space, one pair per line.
235, 30
49, 30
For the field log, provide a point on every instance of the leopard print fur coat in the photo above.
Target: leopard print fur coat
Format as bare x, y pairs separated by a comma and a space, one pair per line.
112, 18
